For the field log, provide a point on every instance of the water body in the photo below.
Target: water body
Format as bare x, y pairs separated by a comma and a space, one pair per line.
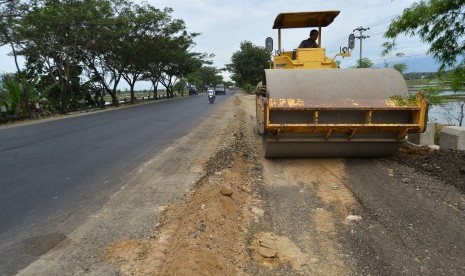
447, 113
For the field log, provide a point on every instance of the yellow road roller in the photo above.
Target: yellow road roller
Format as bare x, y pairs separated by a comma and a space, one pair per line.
308, 107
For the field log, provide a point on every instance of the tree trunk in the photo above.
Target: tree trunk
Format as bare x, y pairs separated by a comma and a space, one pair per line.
462, 111
63, 108
101, 80
133, 99
24, 92
114, 98
115, 87
155, 89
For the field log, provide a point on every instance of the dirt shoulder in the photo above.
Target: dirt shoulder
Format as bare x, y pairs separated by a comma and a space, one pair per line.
207, 232
212, 205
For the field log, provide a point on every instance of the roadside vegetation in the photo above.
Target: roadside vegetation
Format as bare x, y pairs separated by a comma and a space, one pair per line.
439, 23
77, 53
247, 65
70, 54
443, 90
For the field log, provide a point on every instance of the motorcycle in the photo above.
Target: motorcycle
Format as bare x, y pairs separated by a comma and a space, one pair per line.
211, 95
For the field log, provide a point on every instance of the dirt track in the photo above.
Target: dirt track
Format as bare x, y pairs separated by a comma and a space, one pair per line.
244, 215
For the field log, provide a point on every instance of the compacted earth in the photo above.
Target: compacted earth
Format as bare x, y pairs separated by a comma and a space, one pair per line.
243, 214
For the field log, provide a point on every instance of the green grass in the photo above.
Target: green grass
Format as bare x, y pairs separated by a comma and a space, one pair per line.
416, 82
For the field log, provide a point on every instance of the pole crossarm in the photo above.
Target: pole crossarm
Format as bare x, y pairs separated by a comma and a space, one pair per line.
361, 37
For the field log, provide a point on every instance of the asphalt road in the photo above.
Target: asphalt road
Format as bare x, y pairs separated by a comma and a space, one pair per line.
55, 174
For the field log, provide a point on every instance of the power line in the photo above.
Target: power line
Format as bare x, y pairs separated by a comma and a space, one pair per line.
361, 37
378, 27
383, 21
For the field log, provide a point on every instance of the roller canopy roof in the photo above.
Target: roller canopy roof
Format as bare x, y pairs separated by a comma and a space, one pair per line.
304, 19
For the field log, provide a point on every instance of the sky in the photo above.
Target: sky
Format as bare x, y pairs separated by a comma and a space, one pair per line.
225, 24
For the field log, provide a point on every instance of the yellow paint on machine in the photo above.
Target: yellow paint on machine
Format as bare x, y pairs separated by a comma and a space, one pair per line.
286, 103
311, 102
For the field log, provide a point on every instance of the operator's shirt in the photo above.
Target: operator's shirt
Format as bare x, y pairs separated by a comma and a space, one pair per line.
307, 43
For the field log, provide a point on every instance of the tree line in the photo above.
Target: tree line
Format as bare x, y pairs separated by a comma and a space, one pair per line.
81, 50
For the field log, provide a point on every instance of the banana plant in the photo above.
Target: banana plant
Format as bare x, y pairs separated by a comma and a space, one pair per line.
13, 91
14, 105
36, 96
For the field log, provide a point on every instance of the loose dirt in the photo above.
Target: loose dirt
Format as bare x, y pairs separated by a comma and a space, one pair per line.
206, 234
446, 165
247, 216
241, 214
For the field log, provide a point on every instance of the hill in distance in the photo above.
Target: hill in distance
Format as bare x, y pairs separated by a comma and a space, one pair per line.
416, 64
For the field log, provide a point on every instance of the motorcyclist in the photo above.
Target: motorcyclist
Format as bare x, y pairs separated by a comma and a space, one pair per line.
211, 95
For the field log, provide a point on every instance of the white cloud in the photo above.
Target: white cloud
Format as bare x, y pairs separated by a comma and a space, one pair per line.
225, 24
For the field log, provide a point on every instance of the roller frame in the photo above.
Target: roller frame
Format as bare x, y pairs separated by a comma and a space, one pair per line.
314, 138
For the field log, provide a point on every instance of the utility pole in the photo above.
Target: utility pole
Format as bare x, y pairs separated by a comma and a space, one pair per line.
361, 37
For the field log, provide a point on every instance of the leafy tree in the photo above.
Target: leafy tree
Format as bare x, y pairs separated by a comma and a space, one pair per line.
101, 58
401, 67
180, 86
364, 63
420, 75
179, 62
12, 12
455, 80
172, 60
387, 47
11, 94
448, 81
204, 77
247, 64
10, 16
151, 29
132, 42
55, 42
440, 23
88, 46
153, 71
